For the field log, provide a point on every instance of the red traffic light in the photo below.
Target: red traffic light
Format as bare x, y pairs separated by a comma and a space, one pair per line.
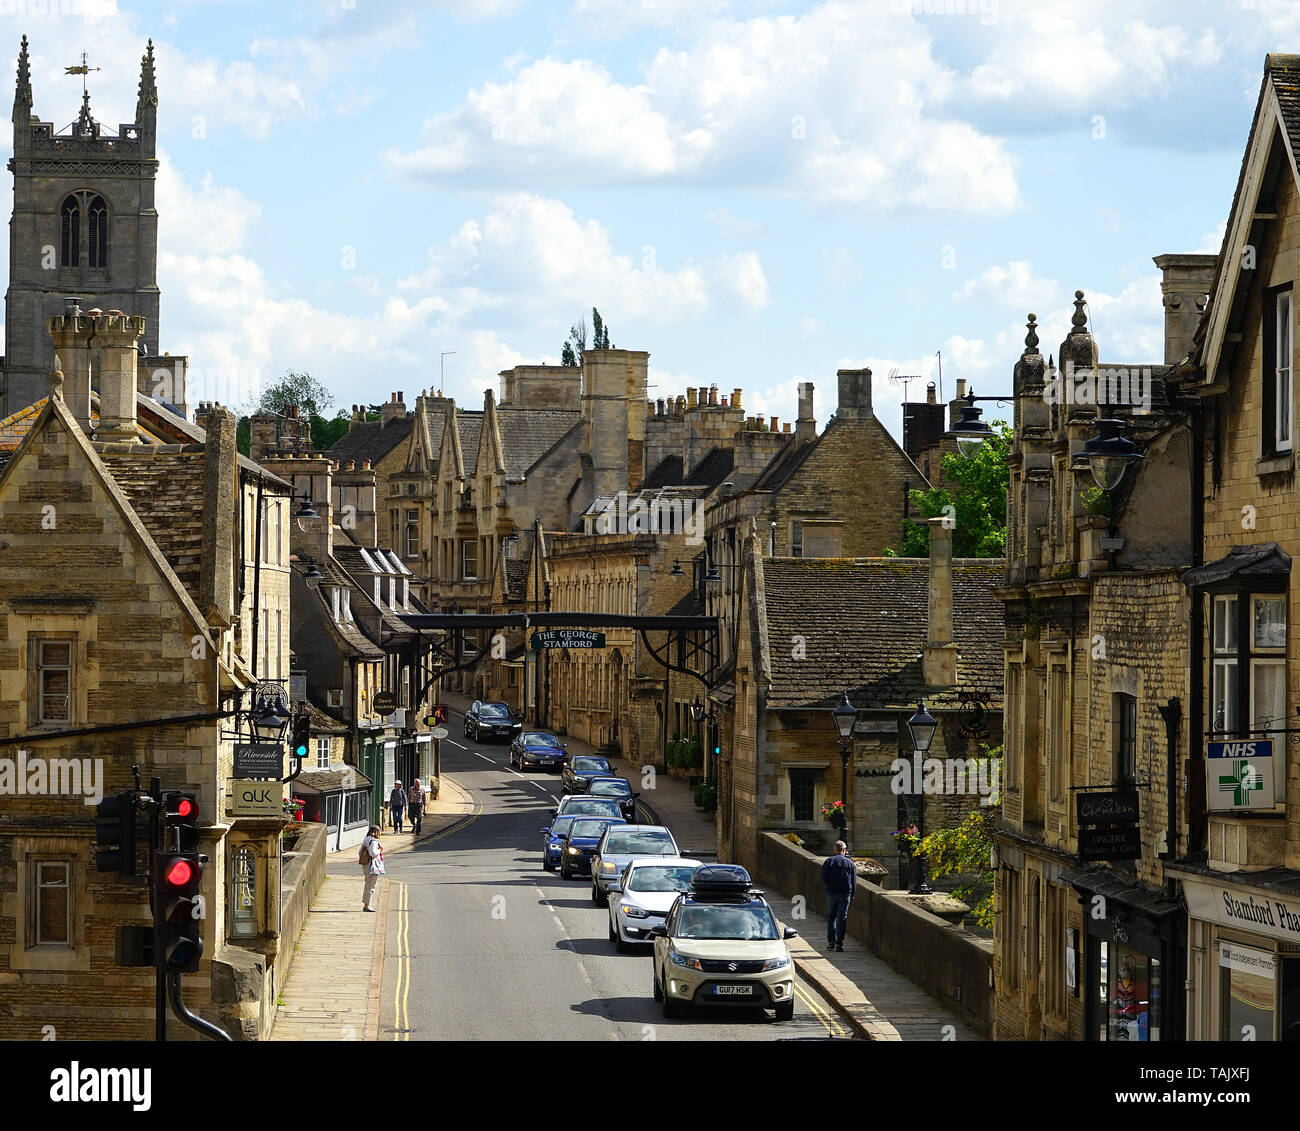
180, 873
186, 807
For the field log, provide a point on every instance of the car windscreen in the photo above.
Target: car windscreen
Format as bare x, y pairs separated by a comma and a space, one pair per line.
494, 711
587, 826
661, 877
591, 764
713, 921
541, 740
640, 843
606, 806
560, 826
616, 788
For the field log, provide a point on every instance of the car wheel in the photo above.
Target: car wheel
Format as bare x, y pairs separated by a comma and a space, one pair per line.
597, 899
548, 865
671, 1008
613, 934
659, 993
785, 1011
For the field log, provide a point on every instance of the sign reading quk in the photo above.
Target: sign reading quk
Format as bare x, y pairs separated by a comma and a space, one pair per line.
1239, 775
257, 798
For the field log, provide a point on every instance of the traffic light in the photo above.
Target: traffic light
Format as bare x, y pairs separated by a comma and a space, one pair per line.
178, 885
301, 736
179, 908
115, 834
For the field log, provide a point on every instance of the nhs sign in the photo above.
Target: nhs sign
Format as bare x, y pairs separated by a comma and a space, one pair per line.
1239, 775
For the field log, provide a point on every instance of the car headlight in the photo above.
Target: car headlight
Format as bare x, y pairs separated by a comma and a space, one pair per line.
633, 912
776, 963
606, 866
575, 851
683, 960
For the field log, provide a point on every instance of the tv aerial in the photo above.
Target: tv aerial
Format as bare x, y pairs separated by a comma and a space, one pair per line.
896, 379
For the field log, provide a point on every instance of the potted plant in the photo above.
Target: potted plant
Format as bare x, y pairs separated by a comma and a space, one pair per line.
835, 813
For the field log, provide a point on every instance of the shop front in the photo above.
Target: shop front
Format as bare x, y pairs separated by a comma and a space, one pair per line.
1134, 958
1244, 935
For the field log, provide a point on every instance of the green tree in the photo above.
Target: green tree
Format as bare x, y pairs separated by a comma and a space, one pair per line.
325, 433
301, 389
576, 343
965, 850
978, 502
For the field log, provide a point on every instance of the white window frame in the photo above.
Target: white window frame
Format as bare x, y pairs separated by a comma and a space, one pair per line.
39, 867
322, 752
465, 574
42, 667
1283, 388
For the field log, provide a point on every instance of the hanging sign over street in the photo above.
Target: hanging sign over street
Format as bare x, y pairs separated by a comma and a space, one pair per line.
257, 798
567, 638
1239, 775
260, 760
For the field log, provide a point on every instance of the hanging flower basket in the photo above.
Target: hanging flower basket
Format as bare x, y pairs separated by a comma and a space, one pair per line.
835, 813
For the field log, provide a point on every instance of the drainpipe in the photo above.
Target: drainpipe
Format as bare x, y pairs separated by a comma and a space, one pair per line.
1196, 709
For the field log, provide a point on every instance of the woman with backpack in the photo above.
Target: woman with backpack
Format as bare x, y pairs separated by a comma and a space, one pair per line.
371, 858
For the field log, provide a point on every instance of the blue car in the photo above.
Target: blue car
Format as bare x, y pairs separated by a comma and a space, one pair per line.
553, 841
537, 748
580, 842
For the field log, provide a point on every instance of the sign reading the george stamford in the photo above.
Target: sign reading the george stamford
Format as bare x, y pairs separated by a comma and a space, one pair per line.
568, 638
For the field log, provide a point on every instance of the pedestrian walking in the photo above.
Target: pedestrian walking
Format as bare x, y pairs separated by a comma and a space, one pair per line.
841, 878
415, 806
371, 858
396, 805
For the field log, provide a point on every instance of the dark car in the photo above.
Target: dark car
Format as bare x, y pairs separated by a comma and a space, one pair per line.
536, 748
580, 805
553, 840
580, 842
618, 788
485, 720
582, 767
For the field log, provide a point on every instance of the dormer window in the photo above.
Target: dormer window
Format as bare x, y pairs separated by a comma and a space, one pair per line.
345, 603
392, 592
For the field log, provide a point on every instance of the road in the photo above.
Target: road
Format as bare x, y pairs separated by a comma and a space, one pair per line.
483, 944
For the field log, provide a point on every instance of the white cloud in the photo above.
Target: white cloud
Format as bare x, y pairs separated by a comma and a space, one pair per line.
820, 105
1012, 285
623, 17
742, 274
737, 227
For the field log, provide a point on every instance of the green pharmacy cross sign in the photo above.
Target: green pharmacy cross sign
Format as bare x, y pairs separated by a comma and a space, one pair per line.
1241, 780
567, 638
1239, 774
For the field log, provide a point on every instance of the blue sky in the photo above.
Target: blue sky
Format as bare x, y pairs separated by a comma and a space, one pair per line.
757, 194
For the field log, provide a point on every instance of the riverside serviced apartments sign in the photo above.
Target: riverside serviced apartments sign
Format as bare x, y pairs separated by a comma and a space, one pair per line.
567, 638
1239, 775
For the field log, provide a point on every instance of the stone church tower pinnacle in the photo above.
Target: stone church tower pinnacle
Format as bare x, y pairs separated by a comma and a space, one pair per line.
84, 225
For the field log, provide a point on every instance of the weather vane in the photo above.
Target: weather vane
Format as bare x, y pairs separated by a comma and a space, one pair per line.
82, 70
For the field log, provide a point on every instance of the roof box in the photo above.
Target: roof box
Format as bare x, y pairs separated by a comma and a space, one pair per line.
721, 879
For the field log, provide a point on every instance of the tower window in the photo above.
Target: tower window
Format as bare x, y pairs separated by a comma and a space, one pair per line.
98, 233
70, 231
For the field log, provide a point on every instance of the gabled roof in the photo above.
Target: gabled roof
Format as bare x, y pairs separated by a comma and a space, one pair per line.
784, 464
529, 434
1277, 117
864, 623
371, 439
1268, 560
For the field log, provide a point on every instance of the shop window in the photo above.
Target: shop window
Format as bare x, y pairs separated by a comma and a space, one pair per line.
1129, 994
803, 791
1248, 673
243, 893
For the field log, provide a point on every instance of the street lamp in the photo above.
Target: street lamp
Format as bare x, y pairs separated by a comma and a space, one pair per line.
844, 716
970, 431
1109, 454
313, 577
921, 726
306, 515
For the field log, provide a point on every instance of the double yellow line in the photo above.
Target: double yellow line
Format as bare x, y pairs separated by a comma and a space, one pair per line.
401, 1018
829, 1023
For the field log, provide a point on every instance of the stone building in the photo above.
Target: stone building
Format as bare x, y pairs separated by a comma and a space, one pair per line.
1089, 943
84, 223
1241, 875
130, 551
889, 632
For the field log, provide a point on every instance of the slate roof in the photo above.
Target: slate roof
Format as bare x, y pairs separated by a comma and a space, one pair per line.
321, 722
354, 641
516, 579
713, 469
469, 426
329, 781
166, 491
528, 434
666, 473
371, 439
864, 622
784, 465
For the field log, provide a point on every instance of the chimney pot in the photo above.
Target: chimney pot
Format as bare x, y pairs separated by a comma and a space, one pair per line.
774, 425
735, 398
961, 387
785, 428
930, 397
713, 394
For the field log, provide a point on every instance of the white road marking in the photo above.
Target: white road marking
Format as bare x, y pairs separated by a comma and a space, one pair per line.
538, 785
483, 756
457, 745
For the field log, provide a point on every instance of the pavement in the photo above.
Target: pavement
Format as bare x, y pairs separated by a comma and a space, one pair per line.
333, 989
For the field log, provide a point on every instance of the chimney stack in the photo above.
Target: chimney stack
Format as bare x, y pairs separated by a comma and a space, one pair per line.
220, 502
71, 332
116, 335
855, 395
939, 656
394, 409
1185, 285
805, 425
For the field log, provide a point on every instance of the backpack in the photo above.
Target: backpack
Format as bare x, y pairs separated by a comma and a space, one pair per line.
363, 857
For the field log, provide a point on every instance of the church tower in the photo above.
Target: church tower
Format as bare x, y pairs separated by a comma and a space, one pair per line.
84, 225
